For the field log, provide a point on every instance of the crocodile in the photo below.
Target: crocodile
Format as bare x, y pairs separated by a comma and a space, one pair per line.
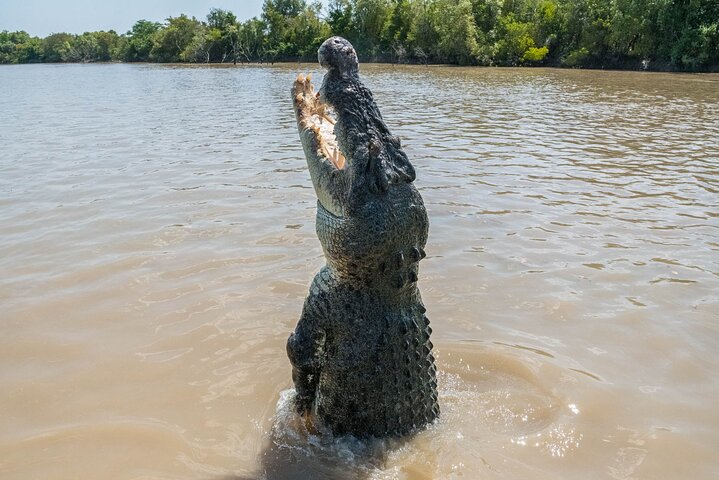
361, 353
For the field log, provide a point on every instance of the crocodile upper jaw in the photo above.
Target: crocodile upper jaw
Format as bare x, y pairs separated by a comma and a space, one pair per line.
326, 162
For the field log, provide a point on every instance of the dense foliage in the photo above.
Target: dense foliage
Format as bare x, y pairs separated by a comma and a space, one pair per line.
663, 34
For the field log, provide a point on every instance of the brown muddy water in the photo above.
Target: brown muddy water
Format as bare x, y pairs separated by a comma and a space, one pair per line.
157, 241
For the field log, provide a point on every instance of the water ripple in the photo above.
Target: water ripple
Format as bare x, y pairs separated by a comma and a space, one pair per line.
157, 239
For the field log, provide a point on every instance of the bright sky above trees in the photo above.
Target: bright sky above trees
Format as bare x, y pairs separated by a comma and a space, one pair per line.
43, 17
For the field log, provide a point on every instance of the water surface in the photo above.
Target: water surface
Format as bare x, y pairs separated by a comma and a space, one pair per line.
157, 241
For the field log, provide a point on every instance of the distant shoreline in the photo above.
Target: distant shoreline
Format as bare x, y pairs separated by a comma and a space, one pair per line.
714, 69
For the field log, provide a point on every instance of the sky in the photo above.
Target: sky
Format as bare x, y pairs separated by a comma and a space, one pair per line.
43, 17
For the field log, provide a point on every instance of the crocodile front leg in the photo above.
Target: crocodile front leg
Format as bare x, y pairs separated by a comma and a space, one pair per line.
306, 351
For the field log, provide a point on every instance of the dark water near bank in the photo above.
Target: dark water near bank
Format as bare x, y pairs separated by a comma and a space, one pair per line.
157, 240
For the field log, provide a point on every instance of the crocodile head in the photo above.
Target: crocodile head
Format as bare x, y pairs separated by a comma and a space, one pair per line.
350, 152
368, 208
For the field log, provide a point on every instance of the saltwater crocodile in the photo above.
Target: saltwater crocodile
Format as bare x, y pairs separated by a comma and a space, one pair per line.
361, 353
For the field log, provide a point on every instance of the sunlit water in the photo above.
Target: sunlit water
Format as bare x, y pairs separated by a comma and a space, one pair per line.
157, 241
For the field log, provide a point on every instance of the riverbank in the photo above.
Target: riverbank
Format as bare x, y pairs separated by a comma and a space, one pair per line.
627, 66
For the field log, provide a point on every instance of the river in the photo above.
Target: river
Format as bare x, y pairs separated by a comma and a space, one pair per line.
157, 242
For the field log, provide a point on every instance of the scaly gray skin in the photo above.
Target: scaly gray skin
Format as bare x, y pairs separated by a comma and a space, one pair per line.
361, 354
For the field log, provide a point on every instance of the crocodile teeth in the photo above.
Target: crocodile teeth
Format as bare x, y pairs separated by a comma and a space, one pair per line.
338, 159
326, 152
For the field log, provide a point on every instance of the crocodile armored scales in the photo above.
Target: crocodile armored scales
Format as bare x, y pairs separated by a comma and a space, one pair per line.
361, 351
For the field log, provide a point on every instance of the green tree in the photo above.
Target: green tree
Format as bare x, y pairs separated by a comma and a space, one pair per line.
306, 32
690, 34
486, 14
176, 42
551, 27
119, 52
19, 47
107, 44
587, 31
7, 48
54, 47
80, 49
140, 41
398, 29
223, 34
515, 39
251, 40
278, 16
400, 22
294, 28
633, 29
457, 32
90, 47
371, 18
423, 35
340, 19
200, 47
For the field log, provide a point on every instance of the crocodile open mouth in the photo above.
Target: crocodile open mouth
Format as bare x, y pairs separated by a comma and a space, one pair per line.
315, 115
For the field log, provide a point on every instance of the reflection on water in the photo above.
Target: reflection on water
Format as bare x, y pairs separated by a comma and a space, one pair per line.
157, 240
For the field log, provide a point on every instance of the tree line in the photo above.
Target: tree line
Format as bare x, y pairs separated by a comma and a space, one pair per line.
655, 34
